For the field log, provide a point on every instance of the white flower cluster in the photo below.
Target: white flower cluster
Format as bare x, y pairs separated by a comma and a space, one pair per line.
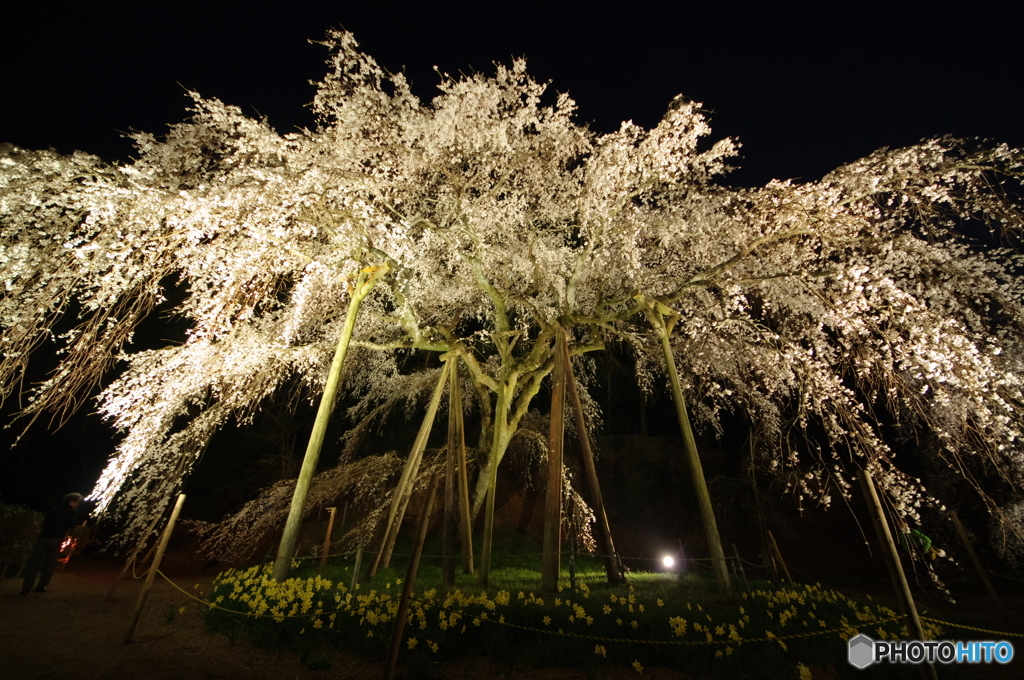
814, 310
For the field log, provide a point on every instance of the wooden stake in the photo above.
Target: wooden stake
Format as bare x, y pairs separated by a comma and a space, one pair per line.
778, 554
739, 566
403, 492
465, 519
769, 561
450, 486
152, 569
572, 561
550, 562
410, 579
357, 567
327, 540
612, 563
892, 562
974, 558
131, 558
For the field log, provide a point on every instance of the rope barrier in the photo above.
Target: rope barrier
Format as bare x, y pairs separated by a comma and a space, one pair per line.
736, 640
483, 616
979, 630
214, 605
595, 555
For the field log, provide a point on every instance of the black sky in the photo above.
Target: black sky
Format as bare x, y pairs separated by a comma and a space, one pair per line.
804, 89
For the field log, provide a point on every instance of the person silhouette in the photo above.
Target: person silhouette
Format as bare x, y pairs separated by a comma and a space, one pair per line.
57, 524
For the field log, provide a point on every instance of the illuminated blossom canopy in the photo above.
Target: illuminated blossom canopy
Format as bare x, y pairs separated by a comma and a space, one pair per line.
814, 310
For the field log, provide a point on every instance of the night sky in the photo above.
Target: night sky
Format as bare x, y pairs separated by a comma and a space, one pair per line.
803, 90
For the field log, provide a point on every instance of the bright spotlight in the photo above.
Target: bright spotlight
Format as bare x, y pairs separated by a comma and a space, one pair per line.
668, 561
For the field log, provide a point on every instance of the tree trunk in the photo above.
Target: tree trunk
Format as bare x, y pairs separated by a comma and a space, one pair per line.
690, 447
285, 551
612, 565
402, 493
550, 563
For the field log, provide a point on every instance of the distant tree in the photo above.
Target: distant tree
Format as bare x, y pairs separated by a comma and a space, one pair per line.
480, 225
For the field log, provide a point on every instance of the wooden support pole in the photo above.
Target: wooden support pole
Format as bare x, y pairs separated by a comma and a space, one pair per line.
358, 566
449, 527
778, 555
974, 558
124, 569
400, 499
152, 569
739, 566
892, 562
410, 578
327, 541
612, 563
550, 565
572, 561
499, 443
769, 561
465, 518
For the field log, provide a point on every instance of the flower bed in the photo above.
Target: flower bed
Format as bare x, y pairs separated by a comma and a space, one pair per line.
653, 622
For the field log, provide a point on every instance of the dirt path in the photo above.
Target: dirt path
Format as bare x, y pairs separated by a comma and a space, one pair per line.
72, 631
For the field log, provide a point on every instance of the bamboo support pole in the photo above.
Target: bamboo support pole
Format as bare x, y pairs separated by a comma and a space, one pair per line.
550, 562
700, 487
327, 540
974, 559
152, 570
778, 555
410, 578
612, 563
892, 562
286, 550
403, 492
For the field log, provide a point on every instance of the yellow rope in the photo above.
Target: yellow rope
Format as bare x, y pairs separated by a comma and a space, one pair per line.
980, 630
739, 641
598, 638
214, 605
